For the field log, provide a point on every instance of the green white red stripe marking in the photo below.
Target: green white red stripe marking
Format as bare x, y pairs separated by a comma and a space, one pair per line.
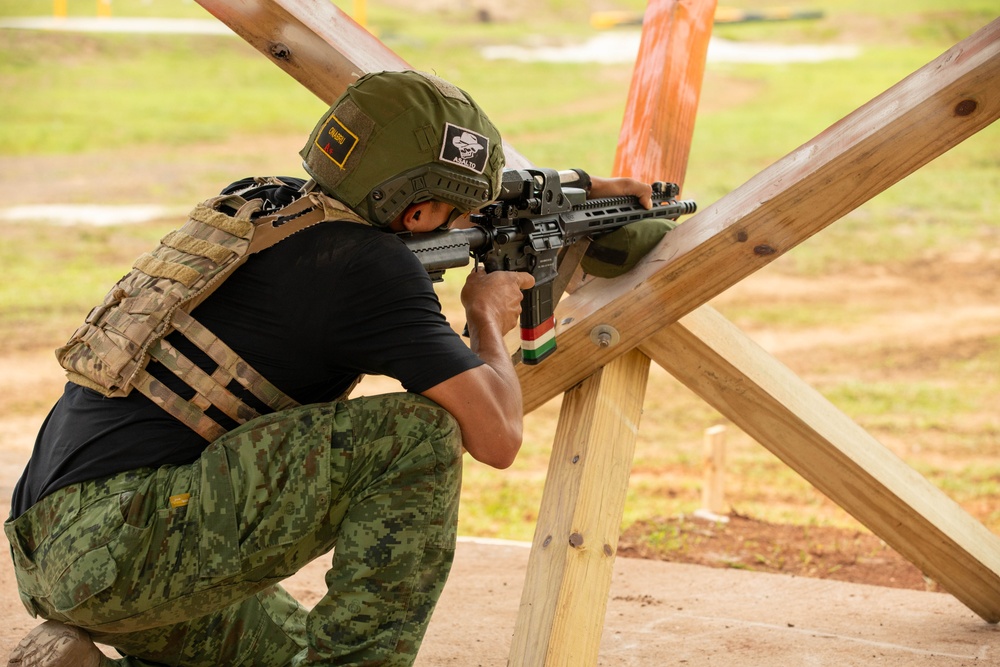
538, 342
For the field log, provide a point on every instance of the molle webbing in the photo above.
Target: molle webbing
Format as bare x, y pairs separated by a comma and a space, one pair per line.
110, 351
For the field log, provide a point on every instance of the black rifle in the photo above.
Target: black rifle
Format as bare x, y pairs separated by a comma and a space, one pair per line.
533, 220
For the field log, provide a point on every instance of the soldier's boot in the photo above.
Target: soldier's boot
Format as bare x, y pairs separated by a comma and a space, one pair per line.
54, 644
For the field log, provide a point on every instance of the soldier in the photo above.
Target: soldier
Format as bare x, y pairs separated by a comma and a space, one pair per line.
204, 449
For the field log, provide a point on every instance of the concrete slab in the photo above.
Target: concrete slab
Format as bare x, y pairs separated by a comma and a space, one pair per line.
671, 614
663, 614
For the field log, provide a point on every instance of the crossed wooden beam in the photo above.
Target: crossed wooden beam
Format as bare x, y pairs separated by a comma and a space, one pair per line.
659, 311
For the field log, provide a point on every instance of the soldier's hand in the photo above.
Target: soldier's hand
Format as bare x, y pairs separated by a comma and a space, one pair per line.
494, 299
617, 187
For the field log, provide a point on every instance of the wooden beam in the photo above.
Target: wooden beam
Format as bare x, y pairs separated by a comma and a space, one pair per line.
315, 42
913, 122
320, 46
569, 570
783, 413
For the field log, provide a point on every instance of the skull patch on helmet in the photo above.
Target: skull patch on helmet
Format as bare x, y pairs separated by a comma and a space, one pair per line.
465, 148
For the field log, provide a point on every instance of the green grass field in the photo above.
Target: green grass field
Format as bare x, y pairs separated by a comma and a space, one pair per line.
86, 96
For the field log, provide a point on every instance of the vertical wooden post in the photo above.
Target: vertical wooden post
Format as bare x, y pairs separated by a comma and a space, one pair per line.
569, 569
714, 476
564, 600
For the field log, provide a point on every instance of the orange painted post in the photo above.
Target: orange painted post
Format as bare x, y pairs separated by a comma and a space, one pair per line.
658, 124
656, 132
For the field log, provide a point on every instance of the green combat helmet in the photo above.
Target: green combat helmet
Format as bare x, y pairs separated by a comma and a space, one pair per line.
398, 138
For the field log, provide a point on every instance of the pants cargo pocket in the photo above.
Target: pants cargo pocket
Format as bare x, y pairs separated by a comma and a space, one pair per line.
24, 569
272, 475
218, 541
89, 575
285, 507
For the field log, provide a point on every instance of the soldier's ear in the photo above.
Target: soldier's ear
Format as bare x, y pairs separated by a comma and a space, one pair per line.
410, 216
404, 221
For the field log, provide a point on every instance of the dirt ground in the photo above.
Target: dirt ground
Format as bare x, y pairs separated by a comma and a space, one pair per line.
929, 312
824, 552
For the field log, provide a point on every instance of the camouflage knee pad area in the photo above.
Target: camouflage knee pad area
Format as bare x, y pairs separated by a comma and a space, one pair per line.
378, 477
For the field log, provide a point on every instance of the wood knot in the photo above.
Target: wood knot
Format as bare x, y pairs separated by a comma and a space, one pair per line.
965, 107
763, 250
280, 51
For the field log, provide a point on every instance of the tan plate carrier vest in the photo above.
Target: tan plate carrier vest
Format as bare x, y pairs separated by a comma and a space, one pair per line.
110, 352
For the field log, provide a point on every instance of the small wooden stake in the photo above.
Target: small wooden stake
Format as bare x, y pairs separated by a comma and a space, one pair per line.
713, 480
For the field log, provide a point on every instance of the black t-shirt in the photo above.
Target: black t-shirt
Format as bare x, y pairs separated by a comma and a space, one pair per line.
310, 313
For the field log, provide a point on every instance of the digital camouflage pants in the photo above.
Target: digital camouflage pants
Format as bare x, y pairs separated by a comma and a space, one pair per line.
180, 565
